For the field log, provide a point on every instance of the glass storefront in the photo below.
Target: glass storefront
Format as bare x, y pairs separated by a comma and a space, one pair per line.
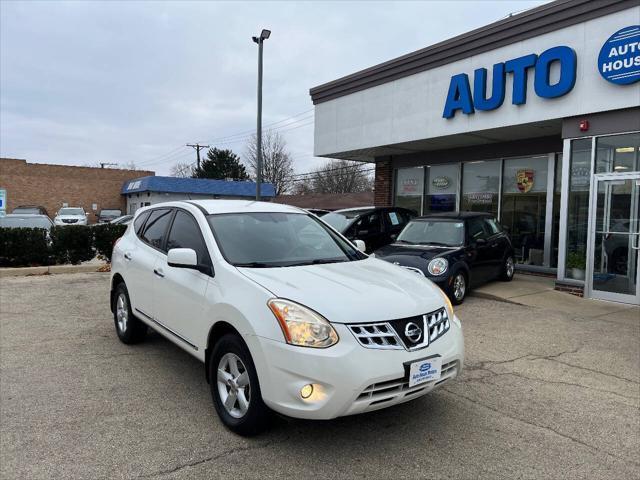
578, 208
480, 186
442, 188
524, 205
409, 188
512, 189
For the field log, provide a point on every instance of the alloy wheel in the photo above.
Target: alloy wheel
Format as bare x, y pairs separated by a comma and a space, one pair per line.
509, 267
459, 286
122, 312
233, 385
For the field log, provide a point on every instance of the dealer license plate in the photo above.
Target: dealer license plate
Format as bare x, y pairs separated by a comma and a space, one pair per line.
425, 371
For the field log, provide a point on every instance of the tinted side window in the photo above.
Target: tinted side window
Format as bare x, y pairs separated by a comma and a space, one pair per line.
156, 227
370, 223
185, 233
475, 228
139, 222
492, 226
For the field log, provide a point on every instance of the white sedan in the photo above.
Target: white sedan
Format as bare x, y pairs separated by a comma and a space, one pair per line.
286, 314
70, 216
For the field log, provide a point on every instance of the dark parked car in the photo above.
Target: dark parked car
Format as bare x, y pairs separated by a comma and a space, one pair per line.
454, 250
375, 226
30, 210
106, 215
17, 220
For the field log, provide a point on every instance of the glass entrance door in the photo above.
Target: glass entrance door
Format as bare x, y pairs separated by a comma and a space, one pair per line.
612, 270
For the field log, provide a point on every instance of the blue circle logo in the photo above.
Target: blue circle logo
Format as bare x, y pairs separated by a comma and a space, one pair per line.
619, 59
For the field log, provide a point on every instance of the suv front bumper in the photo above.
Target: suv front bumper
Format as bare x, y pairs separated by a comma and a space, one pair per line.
347, 378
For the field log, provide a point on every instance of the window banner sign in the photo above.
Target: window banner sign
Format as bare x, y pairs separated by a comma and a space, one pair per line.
410, 182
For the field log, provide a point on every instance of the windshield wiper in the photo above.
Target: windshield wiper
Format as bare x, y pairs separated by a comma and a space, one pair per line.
435, 244
319, 261
405, 241
253, 265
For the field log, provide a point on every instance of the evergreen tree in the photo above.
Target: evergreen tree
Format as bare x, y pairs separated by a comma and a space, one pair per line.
220, 165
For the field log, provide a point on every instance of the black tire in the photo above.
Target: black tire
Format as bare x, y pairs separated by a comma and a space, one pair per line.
131, 330
457, 294
257, 416
508, 269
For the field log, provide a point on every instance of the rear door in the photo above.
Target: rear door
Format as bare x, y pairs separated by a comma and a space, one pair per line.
180, 292
369, 229
142, 258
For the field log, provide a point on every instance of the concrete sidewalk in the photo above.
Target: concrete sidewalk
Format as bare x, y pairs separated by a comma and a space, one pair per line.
536, 291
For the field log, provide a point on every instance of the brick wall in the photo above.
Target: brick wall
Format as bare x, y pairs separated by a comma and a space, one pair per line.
52, 185
382, 184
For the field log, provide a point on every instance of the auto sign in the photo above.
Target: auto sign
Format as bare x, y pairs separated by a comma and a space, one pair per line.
619, 59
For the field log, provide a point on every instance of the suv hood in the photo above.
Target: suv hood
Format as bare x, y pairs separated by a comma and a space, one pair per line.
367, 290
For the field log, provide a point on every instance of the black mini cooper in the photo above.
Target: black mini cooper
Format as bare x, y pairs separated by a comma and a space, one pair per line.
456, 250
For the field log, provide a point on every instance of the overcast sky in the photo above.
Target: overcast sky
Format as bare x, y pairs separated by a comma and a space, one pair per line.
89, 82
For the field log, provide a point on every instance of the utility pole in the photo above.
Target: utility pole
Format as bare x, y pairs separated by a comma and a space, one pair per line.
197, 147
259, 40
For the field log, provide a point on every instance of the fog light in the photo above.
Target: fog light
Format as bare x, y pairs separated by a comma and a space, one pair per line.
306, 391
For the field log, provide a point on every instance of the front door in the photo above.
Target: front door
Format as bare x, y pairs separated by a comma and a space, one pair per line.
614, 241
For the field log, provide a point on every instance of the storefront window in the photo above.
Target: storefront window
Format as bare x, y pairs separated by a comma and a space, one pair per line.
409, 188
442, 187
524, 205
555, 235
480, 186
578, 208
618, 153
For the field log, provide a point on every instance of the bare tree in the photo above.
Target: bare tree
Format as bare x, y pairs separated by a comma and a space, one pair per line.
182, 170
339, 176
277, 164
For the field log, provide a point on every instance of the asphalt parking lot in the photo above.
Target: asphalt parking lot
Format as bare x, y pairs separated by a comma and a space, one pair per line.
544, 395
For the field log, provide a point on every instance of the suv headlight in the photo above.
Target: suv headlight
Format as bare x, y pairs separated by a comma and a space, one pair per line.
302, 326
438, 266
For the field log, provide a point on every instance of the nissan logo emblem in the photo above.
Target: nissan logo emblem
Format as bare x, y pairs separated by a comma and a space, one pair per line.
413, 332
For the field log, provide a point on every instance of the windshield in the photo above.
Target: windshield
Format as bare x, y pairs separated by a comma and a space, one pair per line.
25, 222
433, 232
342, 220
262, 240
110, 213
27, 210
71, 211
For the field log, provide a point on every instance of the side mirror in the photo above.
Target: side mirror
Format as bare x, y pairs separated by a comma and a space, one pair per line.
186, 258
360, 245
394, 236
182, 258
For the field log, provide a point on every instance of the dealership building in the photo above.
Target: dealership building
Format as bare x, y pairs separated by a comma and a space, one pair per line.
534, 118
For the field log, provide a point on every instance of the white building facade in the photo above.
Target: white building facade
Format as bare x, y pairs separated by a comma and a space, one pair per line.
535, 118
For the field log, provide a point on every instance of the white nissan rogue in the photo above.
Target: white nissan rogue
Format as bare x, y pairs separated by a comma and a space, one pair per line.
286, 314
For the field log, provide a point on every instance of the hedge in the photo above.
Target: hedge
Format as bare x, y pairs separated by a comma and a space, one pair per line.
21, 247
24, 247
105, 235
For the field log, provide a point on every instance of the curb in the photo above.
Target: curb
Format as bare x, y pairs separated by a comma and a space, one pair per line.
50, 270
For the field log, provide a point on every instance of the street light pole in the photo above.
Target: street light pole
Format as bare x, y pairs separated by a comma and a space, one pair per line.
259, 40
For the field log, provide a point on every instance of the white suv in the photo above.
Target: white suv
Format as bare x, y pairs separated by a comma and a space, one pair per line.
70, 216
285, 313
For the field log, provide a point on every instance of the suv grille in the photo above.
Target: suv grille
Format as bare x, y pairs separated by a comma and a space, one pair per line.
411, 333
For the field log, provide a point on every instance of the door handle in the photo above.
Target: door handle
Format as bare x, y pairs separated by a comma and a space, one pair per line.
158, 272
127, 256
494, 245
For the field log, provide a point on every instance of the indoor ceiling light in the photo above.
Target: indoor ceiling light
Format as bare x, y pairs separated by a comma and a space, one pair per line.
625, 149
